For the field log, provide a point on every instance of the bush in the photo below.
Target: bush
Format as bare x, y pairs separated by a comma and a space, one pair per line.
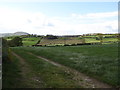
16, 41
97, 38
5, 51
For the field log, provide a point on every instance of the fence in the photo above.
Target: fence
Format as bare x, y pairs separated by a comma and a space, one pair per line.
0, 63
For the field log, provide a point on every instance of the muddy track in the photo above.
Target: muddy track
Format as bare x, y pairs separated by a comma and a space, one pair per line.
82, 79
29, 79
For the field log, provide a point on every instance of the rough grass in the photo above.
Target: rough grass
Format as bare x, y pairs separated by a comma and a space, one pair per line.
11, 74
51, 76
99, 61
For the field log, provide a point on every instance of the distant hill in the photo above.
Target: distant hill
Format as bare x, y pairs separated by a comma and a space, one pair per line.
20, 33
13, 34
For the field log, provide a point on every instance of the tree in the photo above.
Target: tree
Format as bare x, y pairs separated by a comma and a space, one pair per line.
83, 39
16, 41
51, 37
101, 38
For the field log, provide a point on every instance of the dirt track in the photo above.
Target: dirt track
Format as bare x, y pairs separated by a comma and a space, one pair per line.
80, 78
29, 79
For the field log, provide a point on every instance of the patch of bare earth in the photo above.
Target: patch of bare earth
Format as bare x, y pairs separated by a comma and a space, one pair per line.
80, 78
29, 79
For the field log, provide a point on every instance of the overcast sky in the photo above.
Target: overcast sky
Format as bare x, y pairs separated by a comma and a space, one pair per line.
59, 18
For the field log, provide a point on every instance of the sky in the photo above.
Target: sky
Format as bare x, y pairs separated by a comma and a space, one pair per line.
59, 18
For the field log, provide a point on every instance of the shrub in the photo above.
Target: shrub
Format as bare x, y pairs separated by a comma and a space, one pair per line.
5, 51
16, 41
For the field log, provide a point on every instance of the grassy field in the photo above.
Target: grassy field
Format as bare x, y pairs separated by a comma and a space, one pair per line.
51, 76
77, 40
30, 41
92, 40
98, 61
60, 41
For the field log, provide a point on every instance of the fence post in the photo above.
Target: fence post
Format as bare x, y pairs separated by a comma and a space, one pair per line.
1, 63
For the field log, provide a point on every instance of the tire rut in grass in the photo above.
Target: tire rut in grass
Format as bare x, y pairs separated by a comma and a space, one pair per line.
80, 78
29, 79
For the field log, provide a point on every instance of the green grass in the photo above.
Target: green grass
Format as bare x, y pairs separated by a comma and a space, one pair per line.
92, 36
51, 76
30, 41
92, 40
99, 61
110, 39
11, 74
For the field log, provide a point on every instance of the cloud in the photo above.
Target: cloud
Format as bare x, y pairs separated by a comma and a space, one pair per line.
12, 20
29, 21
50, 24
96, 15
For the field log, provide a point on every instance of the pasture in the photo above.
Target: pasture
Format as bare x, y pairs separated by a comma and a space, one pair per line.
30, 41
97, 61
63, 67
60, 41
106, 39
42, 41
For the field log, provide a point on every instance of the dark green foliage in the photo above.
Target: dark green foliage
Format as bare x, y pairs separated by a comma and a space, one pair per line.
16, 41
4, 43
97, 38
100, 37
5, 51
110, 36
51, 37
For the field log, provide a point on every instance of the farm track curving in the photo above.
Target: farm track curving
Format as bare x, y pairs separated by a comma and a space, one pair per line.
82, 79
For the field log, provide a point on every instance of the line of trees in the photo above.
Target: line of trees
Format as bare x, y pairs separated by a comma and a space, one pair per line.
51, 37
